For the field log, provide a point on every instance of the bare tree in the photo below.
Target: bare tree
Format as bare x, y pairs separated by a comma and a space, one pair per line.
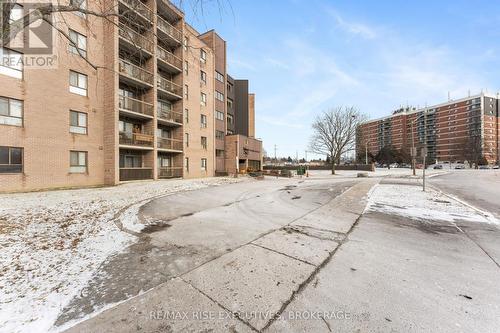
334, 132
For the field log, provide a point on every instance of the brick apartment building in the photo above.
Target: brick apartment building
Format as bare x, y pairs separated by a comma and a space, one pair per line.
457, 131
160, 106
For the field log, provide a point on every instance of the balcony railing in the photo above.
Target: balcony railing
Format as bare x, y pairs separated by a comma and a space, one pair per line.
135, 105
169, 30
169, 115
135, 71
139, 7
169, 172
169, 86
136, 38
169, 58
127, 174
137, 139
170, 144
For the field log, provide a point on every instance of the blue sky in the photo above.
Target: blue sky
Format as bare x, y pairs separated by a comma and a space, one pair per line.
305, 56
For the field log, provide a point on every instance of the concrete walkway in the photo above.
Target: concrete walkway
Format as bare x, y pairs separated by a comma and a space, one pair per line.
266, 249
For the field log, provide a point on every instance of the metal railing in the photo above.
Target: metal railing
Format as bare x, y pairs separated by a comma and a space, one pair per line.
169, 29
135, 174
170, 144
169, 172
169, 57
135, 71
169, 86
137, 139
135, 105
139, 7
136, 38
169, 115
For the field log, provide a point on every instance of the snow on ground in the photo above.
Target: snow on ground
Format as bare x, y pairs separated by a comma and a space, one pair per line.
52, 242
410, 201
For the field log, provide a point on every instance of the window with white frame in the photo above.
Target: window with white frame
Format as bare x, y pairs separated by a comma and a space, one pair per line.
203, 77
203, 56
78, 162
203, 121
219, 77
204, 144
186, 139
186, 91
77, 43
186, 67
81, 4
229, 103
78, 122
11, 111
203, 99
219, 96
185, 43
230, 119
186, 116
203, 164
78, 83
219, 135
11, 63
219, 115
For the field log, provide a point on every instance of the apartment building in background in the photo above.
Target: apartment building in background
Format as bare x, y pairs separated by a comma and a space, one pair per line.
156, 108
454, 131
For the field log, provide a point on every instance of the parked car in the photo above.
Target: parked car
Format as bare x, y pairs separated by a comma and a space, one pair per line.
496, 167
438, 167
484, 167
460, 166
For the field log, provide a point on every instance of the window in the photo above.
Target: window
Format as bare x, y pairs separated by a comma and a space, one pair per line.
203, 77
186, 116
186, 91
204, 164
229, 103
129, 160
219, 135
230, 119
78, 83
203, 56
187, 139
186, 67
229, 87
219, 77
203, 99
78, 162
12, 63
219, 115
186, 163
219, 96
11, 160
78, 43
203, 121
204, 142
77, 122
81, 4
186, 43
219, 153
11, 112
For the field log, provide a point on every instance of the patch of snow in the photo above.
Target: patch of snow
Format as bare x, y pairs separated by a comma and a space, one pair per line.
51, 244
410, 201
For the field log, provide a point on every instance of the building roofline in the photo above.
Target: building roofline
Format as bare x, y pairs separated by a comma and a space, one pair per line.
490, 95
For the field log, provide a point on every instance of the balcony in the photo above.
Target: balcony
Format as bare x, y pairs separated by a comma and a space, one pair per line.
169, 117
168, 61
136, 75
139, 7
169, 34
169, 172
133, 40
135, 107
127, 174
168, 144
138, 140
170, 89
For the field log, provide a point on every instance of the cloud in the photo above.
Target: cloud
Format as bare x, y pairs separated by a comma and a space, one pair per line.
354, 28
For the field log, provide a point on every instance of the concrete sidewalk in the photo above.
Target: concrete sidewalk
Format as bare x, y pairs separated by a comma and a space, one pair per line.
247, 288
